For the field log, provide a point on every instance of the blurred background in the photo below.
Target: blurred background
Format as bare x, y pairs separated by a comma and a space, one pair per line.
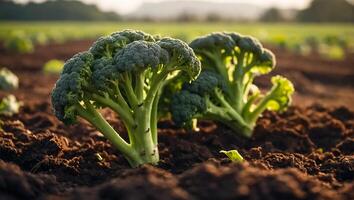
313, 39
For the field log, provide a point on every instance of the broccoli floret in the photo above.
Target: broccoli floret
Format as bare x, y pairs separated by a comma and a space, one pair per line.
109, 45
186, 106
124, 72
8, 80
230, 63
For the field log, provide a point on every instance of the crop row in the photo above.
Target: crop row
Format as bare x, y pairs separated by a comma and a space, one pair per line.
303, 39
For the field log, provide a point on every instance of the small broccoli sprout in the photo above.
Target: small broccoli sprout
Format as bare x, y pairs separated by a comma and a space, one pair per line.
9, 105
19, 42
53, 66
8, 80
224, 91
233, 155
124, 72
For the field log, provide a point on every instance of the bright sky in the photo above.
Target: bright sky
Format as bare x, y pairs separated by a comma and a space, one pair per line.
126, 6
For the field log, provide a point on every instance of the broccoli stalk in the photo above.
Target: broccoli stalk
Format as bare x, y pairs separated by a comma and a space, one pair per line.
124, 72
224, 91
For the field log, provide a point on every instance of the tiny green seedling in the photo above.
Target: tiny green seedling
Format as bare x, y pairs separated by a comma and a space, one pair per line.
233, 155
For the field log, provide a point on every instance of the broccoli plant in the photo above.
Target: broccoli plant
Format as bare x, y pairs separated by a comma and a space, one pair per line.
8, 80
224, 91
53, 66
124, 72
9, 105
18, 42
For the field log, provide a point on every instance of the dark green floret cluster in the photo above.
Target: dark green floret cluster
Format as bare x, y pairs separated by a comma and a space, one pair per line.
124, 72
225, 91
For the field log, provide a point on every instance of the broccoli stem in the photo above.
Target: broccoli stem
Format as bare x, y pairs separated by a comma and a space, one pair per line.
139, 87
235, 120
129, 91
217, 58
237, 83
143, 138
261, 106
247, 87
154, 117
144, 132
153, 98
147, 148
226, 105
222, 115
95, 118
120, 99
123, 113
247, 108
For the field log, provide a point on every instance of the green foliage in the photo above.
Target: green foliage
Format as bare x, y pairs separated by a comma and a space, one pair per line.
125, 72
53, 66
18, 42
284, 35
272, 15
332, 52
8, 80
233, 155
313, 43
9, 105
39, 38
53, 10
224, 91
328, 11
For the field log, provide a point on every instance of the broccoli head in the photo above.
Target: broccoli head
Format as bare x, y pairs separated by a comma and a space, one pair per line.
230, 62
124, 72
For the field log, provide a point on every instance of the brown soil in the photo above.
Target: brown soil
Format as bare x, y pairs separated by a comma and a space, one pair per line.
304, 153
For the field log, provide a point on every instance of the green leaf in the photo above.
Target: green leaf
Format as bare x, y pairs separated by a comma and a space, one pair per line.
233, 155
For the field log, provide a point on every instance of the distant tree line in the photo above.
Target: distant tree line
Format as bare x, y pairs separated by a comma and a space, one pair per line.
53, 10
328, 11
318, 11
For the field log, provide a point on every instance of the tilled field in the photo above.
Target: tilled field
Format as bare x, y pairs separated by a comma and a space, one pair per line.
305, 153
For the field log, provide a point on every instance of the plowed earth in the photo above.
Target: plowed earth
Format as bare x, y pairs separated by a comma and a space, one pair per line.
305, 153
